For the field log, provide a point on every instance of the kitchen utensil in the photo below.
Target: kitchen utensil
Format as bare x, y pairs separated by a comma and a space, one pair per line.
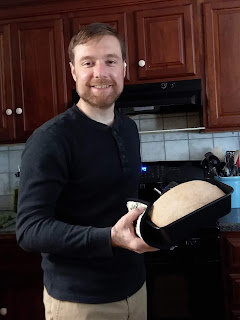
212, 159
229, 158
211, 164
234, 171
182, 229
220, 167
226, 170
236, 158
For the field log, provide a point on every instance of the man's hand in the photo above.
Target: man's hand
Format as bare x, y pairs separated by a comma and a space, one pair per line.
123, 233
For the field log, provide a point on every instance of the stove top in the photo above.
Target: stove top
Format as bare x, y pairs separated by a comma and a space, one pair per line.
157, 175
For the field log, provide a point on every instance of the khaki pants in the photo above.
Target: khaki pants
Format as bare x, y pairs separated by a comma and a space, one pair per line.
132, 308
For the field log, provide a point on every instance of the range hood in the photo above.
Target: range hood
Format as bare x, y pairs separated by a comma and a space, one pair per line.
159, 98
162, 97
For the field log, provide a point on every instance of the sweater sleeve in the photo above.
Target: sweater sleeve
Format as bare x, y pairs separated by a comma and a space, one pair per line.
44, 172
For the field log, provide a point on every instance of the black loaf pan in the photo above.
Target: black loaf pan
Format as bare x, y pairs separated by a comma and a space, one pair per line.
183, 228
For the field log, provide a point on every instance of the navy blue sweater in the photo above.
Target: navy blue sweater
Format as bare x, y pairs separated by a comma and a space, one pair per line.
76, 177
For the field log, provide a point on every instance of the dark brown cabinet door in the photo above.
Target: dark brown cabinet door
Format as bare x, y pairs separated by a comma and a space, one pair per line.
165, 38
39, 73
116, 20
23, 302
222, 45
6, 87
230, 248
21, 286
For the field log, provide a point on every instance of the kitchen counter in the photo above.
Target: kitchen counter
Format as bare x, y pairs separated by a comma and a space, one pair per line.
230, 222
9, 221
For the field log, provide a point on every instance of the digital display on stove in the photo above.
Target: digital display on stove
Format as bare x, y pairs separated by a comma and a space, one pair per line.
144, 169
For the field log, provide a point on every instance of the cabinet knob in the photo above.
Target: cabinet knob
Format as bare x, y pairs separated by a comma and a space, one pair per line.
3, 311
8, 112
141, 63
19, 111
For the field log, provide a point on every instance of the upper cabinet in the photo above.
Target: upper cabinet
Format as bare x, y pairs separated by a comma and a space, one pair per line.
222, 52
165, 42
161, 38
6, 86
33, 82
117, 20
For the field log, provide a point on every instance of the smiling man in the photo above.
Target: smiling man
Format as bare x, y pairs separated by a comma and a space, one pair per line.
98, 70
78, 171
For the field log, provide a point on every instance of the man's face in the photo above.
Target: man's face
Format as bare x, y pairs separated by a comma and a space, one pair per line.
99, 71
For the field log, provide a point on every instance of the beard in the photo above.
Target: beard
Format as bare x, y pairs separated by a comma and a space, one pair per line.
101, 100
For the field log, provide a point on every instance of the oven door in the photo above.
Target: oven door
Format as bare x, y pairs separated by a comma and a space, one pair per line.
185, 284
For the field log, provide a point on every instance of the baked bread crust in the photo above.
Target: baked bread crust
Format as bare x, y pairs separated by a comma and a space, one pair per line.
182, 200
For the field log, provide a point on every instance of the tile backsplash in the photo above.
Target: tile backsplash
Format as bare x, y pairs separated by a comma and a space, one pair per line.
164, 146
181, 145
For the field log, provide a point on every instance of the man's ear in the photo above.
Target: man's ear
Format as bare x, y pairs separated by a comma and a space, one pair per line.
72, 71
125, 68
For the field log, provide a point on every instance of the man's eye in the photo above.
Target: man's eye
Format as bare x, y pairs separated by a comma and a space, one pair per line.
111, 62
87, 63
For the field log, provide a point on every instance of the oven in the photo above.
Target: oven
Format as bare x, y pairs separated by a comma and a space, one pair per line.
184, 283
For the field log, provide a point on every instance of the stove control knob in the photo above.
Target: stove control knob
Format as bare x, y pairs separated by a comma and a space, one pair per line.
164, 85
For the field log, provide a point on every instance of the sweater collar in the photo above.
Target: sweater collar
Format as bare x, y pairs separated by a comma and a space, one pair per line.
115, 126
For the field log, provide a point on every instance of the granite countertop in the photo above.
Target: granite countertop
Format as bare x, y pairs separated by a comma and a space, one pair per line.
230, 222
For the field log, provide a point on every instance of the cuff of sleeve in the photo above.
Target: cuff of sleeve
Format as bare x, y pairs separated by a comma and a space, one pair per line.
100, 242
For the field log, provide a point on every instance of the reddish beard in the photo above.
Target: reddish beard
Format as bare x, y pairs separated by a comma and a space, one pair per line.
103, 100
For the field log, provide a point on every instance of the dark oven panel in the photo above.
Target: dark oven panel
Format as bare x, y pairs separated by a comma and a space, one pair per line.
159, 174
183, 283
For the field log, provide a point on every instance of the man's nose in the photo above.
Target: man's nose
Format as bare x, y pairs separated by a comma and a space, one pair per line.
100, 70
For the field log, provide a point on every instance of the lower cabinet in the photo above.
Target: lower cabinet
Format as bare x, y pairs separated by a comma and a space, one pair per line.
230, 249
21, 286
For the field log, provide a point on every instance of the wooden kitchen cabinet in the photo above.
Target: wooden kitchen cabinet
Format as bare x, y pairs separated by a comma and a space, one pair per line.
33, 86
174, 40
116, 20
21, 285
161, 38
6, 85
222, 51
230, 249
165, 41
35, 80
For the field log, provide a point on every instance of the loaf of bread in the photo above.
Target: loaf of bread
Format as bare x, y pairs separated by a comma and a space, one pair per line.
182, 200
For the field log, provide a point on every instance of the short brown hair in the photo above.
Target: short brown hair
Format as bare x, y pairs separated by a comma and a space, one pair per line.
91, 31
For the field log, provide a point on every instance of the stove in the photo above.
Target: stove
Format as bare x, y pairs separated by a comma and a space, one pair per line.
159, 174
184, 283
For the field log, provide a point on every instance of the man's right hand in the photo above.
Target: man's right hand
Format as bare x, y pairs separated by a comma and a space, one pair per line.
123, 233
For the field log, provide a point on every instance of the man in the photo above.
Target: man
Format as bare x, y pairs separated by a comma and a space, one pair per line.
77, 172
